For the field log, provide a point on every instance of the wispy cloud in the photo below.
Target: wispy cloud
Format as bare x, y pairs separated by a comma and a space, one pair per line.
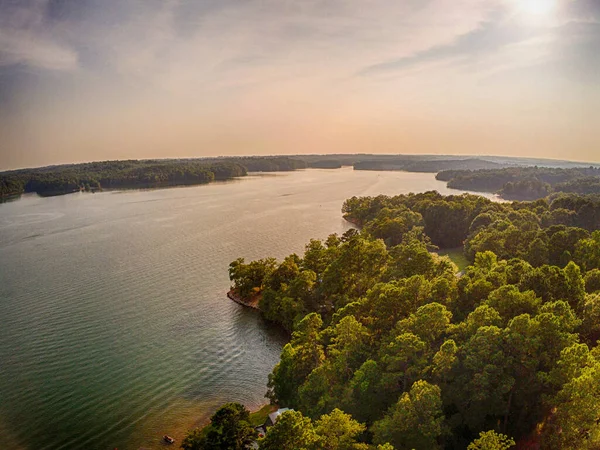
504, 29
271, 74
26, 39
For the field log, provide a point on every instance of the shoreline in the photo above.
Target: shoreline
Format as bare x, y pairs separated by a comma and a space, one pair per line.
353, 221
252, 303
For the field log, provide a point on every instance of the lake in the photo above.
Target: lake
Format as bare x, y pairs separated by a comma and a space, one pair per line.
116, 328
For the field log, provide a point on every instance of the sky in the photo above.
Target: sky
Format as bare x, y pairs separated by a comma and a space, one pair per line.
84, 80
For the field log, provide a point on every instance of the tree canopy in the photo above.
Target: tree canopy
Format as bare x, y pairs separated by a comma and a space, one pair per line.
387, 333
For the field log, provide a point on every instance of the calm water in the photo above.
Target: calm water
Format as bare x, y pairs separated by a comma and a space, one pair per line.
115, 325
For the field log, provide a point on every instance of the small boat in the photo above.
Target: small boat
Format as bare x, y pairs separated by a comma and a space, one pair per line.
168, 439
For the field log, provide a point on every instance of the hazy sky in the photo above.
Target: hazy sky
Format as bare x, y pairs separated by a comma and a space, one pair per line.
86, 80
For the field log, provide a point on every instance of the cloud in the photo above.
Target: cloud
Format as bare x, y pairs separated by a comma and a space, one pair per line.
487, 38
25, 38
141, 74
504, 29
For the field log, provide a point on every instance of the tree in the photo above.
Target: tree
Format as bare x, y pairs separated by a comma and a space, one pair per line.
592, 281
411, 258
405, 360
429, 322
481, 389
360, 264
292, 431
445, 359
298, 359
349, 343
490, 440
590, 314
510, 302
587, 252
416, 421
337, 431
229, 429
365, 397
575, 423
194, 440
248, 278
537, 254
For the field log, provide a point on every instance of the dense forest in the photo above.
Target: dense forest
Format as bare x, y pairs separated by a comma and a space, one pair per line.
56, 180
425, 165
493, 174
525, 183
391, 347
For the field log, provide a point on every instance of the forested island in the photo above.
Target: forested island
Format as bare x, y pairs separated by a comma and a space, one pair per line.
525, 183
392, 348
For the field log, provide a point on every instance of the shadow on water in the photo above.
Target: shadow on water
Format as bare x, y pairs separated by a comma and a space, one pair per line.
10, 198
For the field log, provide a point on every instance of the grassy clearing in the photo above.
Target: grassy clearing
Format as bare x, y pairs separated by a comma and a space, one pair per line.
259, 417
457, 256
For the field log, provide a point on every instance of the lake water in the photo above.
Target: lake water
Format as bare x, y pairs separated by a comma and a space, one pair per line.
115, 324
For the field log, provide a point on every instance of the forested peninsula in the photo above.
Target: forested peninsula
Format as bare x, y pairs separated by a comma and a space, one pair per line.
65, 179
391, 347
525, 183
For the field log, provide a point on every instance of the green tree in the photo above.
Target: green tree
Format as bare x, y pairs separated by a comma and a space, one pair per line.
445, 360
587, 252
292, 431
359, 266
482, 387
537, 254
416, 421
405, 360
248, 278
510, 302
592, 281
490, 440
337, 431
229, 429
429, 322
590, 314
298, 359
575, 423
365, 396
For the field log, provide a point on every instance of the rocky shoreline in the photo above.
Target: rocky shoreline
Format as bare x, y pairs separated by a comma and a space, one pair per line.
250, 303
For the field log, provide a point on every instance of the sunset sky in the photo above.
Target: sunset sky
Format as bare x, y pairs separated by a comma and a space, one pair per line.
85, 80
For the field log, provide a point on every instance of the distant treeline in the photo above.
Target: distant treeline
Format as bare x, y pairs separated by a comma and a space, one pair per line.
525, 183
262, 163
425, 165
64, 179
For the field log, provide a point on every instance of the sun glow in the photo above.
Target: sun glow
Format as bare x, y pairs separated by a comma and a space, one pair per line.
538, 7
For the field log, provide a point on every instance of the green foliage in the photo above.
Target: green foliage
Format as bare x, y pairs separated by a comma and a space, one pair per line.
56, 180
525, 183
298, 359
428, 358
490, 440
415, 421
292, 431
575, 421
229, 428
337, 431
249, 278
590, 314
592, 281
587, 252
